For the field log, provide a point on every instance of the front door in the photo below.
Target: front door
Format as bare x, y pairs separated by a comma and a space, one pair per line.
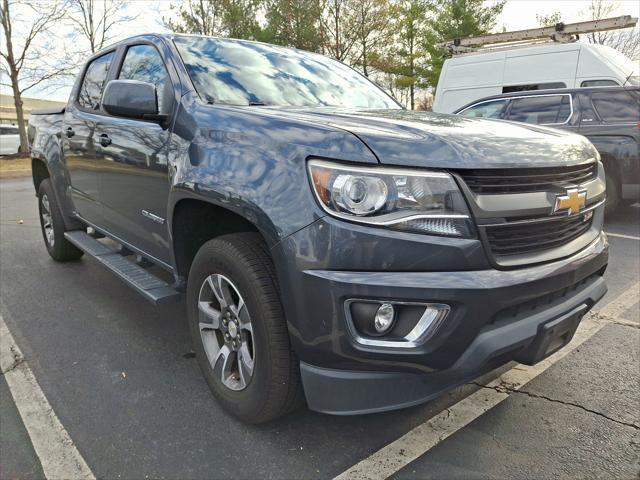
134, 173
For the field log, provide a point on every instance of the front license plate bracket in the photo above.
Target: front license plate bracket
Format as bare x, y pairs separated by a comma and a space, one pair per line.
552, 336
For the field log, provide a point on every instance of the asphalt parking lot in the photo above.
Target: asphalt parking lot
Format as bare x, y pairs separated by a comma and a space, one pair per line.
120, 377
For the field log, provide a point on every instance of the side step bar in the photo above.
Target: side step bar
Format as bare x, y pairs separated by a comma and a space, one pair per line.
154, 289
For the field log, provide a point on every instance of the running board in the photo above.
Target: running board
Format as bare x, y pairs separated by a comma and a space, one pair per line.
154, 289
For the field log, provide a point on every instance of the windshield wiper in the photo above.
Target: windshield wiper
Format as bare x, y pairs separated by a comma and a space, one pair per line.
257, 104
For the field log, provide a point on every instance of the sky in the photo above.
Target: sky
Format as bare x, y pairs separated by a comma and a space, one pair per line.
517, 15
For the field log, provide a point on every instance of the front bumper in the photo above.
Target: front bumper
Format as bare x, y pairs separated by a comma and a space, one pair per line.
497, 316
341, 392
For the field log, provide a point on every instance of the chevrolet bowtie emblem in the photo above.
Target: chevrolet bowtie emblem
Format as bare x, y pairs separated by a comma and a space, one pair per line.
572, 202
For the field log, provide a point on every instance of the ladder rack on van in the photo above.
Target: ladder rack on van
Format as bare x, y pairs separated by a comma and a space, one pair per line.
560, 32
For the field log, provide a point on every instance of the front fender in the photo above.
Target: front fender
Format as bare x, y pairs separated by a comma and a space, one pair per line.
254, 164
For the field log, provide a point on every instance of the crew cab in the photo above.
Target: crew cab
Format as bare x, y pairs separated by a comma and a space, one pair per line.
608, 116
329, 244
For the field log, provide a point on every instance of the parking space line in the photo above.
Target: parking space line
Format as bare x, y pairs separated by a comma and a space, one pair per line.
619, 305
620, 235
56, 451
415, 443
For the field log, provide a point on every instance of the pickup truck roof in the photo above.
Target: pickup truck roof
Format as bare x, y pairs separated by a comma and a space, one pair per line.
170, 36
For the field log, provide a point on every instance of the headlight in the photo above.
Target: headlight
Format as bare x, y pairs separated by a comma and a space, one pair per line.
403, 199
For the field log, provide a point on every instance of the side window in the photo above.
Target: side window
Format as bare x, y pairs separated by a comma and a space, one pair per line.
616, 107
91, 88
541, 109
143, 63
491, 109
599, 83
532, 86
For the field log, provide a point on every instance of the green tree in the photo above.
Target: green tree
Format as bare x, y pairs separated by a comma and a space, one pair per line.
406, 59
230, 18
454, 19
293, 23
239, 18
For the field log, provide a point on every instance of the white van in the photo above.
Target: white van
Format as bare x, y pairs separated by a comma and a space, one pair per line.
473, 76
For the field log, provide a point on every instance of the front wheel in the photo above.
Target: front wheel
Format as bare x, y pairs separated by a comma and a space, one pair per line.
238, 329
52, 225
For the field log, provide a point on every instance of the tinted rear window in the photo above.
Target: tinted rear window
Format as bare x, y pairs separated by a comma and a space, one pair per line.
541, 109
616, 107
91, 88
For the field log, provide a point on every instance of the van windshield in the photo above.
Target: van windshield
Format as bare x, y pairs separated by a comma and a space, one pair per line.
628, 66
633, 80
246, 73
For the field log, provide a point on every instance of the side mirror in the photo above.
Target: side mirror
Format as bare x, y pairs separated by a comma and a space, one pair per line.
131, 99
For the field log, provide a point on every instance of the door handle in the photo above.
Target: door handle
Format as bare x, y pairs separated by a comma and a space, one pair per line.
105, 141
69, 132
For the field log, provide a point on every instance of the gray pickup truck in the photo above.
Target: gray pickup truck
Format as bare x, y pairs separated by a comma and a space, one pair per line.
328, 243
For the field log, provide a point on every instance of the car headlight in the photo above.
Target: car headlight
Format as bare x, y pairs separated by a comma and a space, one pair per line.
420, 201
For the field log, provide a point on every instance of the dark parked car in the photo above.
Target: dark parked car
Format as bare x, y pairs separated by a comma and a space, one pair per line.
327, 240
608, 116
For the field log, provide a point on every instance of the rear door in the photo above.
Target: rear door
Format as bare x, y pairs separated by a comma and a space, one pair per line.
554, 110
611, 121
134, 170
79, 147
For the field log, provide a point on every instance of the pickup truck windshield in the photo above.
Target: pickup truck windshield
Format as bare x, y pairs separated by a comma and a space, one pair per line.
246, 73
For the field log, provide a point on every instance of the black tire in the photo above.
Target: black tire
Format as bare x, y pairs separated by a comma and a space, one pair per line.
613, 195
274, 388
52, 226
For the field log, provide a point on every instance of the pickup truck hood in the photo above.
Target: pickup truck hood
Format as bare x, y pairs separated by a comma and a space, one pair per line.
422, 139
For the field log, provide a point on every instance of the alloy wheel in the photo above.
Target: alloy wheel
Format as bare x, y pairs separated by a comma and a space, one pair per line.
226, 331
47, 220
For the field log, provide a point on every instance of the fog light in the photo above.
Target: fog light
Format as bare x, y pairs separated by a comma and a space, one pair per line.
384, 318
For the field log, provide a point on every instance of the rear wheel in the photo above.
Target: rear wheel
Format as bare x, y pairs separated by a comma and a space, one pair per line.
238, 329
52, 225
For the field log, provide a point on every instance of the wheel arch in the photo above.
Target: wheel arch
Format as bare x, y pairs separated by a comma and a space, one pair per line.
194, 221
39, 172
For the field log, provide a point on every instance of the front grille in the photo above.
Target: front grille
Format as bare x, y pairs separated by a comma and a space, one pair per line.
517, 238
522, 180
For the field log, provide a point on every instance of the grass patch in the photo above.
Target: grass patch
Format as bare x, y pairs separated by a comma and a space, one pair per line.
14, 166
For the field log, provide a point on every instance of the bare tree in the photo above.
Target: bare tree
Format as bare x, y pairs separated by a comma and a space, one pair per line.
372, 20
24, 60
339, 28
549, 20
625, 41
96, 23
